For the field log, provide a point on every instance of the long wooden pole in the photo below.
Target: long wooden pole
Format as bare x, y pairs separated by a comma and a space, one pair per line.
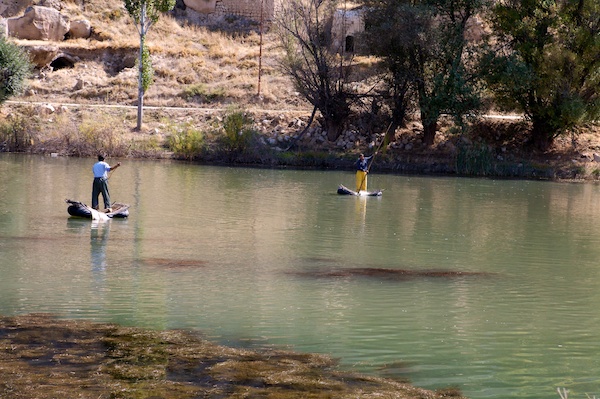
373, 156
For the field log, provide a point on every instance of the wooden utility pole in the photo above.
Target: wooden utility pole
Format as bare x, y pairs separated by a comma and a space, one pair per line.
260, 45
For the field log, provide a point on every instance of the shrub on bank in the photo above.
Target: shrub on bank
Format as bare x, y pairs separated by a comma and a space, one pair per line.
185, 141
13, 135
236, 139
94, 135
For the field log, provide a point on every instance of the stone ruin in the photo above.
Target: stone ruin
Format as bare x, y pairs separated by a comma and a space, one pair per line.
255, 10
346, 25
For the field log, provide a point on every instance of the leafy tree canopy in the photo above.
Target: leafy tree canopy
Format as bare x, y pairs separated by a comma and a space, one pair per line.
547, 63
148, 11
423, 45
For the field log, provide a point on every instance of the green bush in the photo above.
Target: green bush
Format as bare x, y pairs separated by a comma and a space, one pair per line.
239, 135
15, 68
186, 141
14, 135
203, 93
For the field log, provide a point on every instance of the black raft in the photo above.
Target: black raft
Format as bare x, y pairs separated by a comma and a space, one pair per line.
343, 190
79, 209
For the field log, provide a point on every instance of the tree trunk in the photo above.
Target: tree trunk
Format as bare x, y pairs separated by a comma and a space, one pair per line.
140, 110
334, 130
429, 131
541, 134
398, 117
429, 117
334, 114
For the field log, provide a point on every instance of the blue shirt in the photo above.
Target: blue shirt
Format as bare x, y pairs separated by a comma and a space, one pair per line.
101, 169
362, 164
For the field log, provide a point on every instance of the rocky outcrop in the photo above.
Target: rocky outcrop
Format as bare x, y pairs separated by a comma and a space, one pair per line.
42, 56
39, 23
10, 8
80, 29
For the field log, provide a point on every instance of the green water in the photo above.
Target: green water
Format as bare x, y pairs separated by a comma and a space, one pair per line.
264, 257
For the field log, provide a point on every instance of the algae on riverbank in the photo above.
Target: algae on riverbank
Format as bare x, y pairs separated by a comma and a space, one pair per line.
44, 357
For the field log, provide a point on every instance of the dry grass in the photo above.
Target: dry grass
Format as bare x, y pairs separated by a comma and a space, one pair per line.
183, 55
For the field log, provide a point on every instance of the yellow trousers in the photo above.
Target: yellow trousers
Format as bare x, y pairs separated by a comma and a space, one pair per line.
361, 181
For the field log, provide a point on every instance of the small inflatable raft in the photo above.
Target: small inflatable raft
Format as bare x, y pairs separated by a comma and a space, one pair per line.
343, 190
79, 209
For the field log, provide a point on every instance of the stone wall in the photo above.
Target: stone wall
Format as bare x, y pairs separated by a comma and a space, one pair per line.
250, 9
346, 25
247, 8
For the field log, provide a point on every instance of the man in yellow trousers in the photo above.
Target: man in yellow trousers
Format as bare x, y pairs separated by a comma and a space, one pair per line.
362, 168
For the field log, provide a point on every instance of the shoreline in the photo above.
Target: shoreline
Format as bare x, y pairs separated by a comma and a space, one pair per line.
277, 142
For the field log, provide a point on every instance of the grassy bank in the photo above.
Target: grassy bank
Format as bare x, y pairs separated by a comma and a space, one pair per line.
236, 136
43, 357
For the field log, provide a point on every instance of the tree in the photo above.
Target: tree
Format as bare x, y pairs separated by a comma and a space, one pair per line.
318, 73
145, 13
15, 68
547, 63
392, 28
423, 45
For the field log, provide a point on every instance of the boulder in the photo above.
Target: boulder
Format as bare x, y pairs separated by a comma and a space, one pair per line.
46, 109
202, 6
56, 4
39, 23
80, 29
42, 56
14, 7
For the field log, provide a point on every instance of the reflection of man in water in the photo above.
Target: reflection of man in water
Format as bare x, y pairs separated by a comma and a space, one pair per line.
98, 240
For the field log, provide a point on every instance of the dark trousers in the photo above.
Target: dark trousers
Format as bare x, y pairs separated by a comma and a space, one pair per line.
100, 186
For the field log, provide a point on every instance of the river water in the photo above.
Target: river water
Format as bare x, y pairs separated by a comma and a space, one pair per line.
490, 286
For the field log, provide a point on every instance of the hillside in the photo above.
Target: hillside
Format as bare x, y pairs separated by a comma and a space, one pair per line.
200, 72
185, 57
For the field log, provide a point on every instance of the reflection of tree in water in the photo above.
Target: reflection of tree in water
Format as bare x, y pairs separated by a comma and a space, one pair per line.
98, 240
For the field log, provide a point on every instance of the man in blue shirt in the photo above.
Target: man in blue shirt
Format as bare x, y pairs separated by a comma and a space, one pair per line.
100, 185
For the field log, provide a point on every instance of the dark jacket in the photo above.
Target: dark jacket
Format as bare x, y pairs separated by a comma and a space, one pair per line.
363, 164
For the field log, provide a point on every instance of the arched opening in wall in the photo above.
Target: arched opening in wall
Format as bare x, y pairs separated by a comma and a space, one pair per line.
349, 47
62, 62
